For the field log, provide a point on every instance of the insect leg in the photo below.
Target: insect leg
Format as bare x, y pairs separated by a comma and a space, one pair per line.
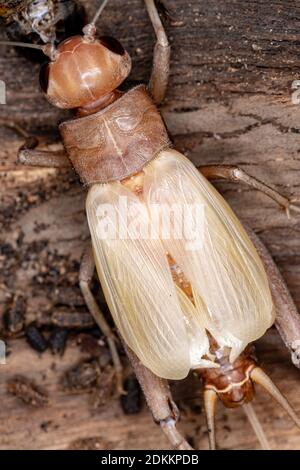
260, 377
43, 158
159, 399
29, 155
161, 56
256, 426
15, 127
30, 141
210, 401
85, 275
287, 317
234, 173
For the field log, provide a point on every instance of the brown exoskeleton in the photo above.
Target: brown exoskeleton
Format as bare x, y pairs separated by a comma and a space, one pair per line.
180, 303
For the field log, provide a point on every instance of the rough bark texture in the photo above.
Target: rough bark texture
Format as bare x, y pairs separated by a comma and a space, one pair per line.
229, 100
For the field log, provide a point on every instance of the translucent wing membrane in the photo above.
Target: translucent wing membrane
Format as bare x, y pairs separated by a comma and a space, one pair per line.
198, 341
230, 287
164, 325
137, 283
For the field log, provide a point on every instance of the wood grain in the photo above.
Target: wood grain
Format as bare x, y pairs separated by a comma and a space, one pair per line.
229, 101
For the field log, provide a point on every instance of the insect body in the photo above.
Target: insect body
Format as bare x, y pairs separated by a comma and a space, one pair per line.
191, 296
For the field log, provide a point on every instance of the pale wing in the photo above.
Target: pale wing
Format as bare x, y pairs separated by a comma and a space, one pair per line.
137, 282
199, 344
222, 266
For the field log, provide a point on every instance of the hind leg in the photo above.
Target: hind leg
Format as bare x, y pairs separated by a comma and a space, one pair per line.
287, 317
159, 399
236, 174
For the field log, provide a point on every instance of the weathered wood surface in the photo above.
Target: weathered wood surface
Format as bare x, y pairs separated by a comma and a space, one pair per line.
229, 101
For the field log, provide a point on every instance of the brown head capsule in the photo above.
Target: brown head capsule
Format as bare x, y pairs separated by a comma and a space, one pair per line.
83, 71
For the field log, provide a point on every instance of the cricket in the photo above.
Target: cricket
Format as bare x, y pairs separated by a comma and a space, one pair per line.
189, 288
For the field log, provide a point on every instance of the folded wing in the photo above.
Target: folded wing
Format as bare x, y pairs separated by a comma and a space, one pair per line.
230, 287
137, 282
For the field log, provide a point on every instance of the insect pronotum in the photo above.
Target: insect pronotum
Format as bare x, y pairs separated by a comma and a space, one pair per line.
193, 299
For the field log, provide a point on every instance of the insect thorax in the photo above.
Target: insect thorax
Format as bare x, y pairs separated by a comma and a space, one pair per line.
117, 141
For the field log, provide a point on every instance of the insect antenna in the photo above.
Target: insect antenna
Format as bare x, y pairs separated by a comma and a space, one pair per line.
89, 30
98, 12
210, 401
260, 377
48, 49
253, 420
21, 44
